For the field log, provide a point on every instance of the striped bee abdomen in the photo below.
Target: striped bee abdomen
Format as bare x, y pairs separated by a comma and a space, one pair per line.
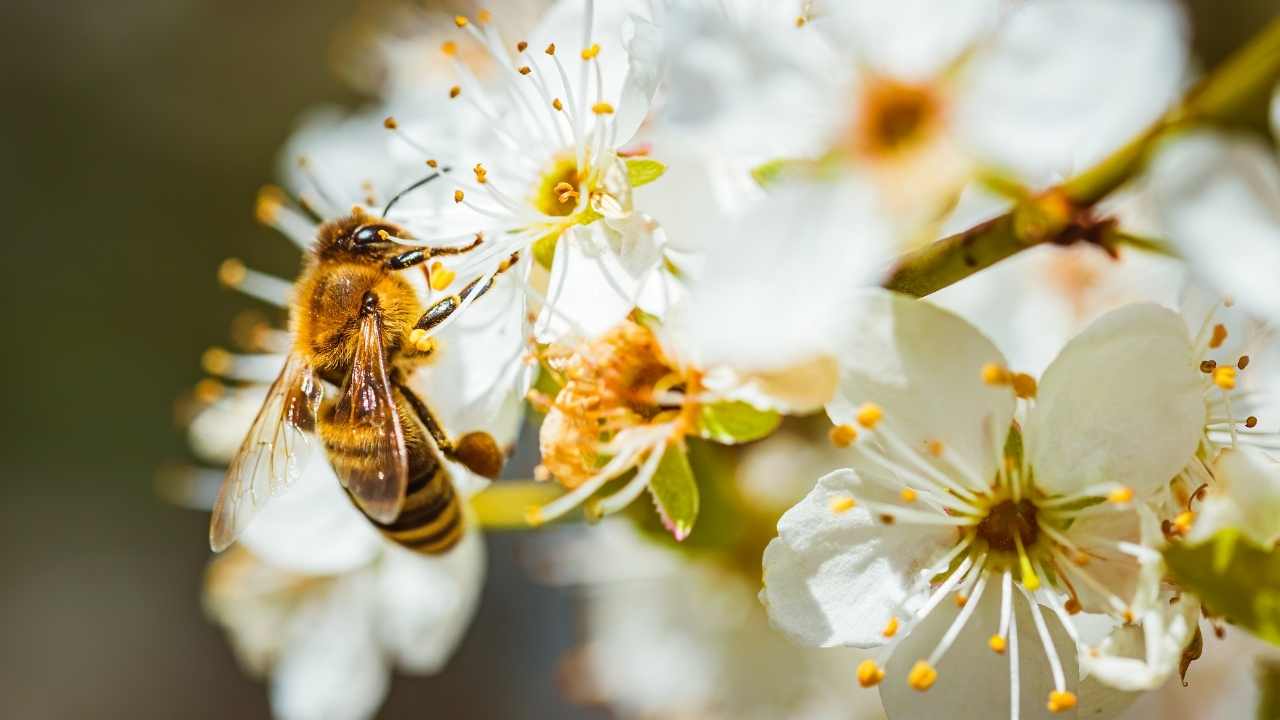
431, 520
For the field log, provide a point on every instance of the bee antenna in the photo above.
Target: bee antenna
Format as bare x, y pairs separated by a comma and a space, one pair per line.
411, 188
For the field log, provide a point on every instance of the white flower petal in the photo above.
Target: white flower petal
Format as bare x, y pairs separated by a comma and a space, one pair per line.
1118, 572
313, 527
425, 603
973, 681
333, 668
1219, 198
1143, 656
923, 366
835, 578
1067, 81
788, 269
644, 49
589, 291
1123, 403
1245, 496
797, 390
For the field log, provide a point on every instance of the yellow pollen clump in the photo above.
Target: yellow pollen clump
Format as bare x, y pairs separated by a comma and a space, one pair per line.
869, 415
1225, 377
421, 341
441, 276
997, 644
591, 52
993, 374
449, 48
869, 673
922, 676
460, 20
1120, 495
602, 108
231, 272
890, 628
455, 91
841, 505
1060, 700
1219, 336
842, 436
1024, 386
909, 495
458, 195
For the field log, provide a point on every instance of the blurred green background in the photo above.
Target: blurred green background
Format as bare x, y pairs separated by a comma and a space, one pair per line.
132, 141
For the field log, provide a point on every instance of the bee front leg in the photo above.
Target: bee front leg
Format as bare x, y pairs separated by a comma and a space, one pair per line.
443, 308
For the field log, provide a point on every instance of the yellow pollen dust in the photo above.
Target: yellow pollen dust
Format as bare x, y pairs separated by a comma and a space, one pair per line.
1219, 336
460, 20
890, 628
602, 108
231, 272
842, 436
909, 495
421, 341
869, 673
993, 374
1224, 377
841, 505
922, 676
1060, 700
869, 415
1024, 386
1120, 495
449, 48
997, 644
591, 52
441, 276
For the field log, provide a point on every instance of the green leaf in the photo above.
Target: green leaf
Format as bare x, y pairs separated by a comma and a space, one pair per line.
642, 171
675, 492
735, 422
1234, 578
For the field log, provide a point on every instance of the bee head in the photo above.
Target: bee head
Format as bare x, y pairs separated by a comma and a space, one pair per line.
360, 235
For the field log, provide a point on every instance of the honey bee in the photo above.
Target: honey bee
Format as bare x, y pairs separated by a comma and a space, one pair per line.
357, 324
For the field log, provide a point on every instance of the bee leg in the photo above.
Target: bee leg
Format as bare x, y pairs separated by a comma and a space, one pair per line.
478, 451
417, 256
445, 307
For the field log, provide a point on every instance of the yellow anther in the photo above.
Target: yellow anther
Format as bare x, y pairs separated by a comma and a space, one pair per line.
1128, 616
1207, 366
602, 108
1243, 362
1024, 386
936, 447
267, 208
441, 277
869, 673
460, 20
433, 163
869, 415
890, 628
449, 48
1219, 336
993, 374
522, 46
1030, 580
231, 272
1060, 700
591, 52
482, 175
801, 20
1224, 376
1072, 606
1251, 421
483, 16
455, 91
1121, 495
458, 195
390, 123
961, 600
551, 49
524, 69
216, 361
1080, 558
922, 676
842, 435
841, 505
208, 390
997, 644
555, 103
533, 516
1182, 523
908, 495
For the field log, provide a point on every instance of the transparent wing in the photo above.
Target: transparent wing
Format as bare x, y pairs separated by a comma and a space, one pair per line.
273, 453
367, 411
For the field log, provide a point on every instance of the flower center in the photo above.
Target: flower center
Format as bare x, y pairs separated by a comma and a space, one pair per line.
1008, 520
894, 116
557, 191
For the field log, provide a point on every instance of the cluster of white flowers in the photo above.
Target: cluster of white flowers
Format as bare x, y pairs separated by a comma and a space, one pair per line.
686, 212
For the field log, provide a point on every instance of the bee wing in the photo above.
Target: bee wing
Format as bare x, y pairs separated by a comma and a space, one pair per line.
272, 455
367, 411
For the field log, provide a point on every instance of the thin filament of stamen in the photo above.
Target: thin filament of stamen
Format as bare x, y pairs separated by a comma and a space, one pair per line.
1046, 641
958, 624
